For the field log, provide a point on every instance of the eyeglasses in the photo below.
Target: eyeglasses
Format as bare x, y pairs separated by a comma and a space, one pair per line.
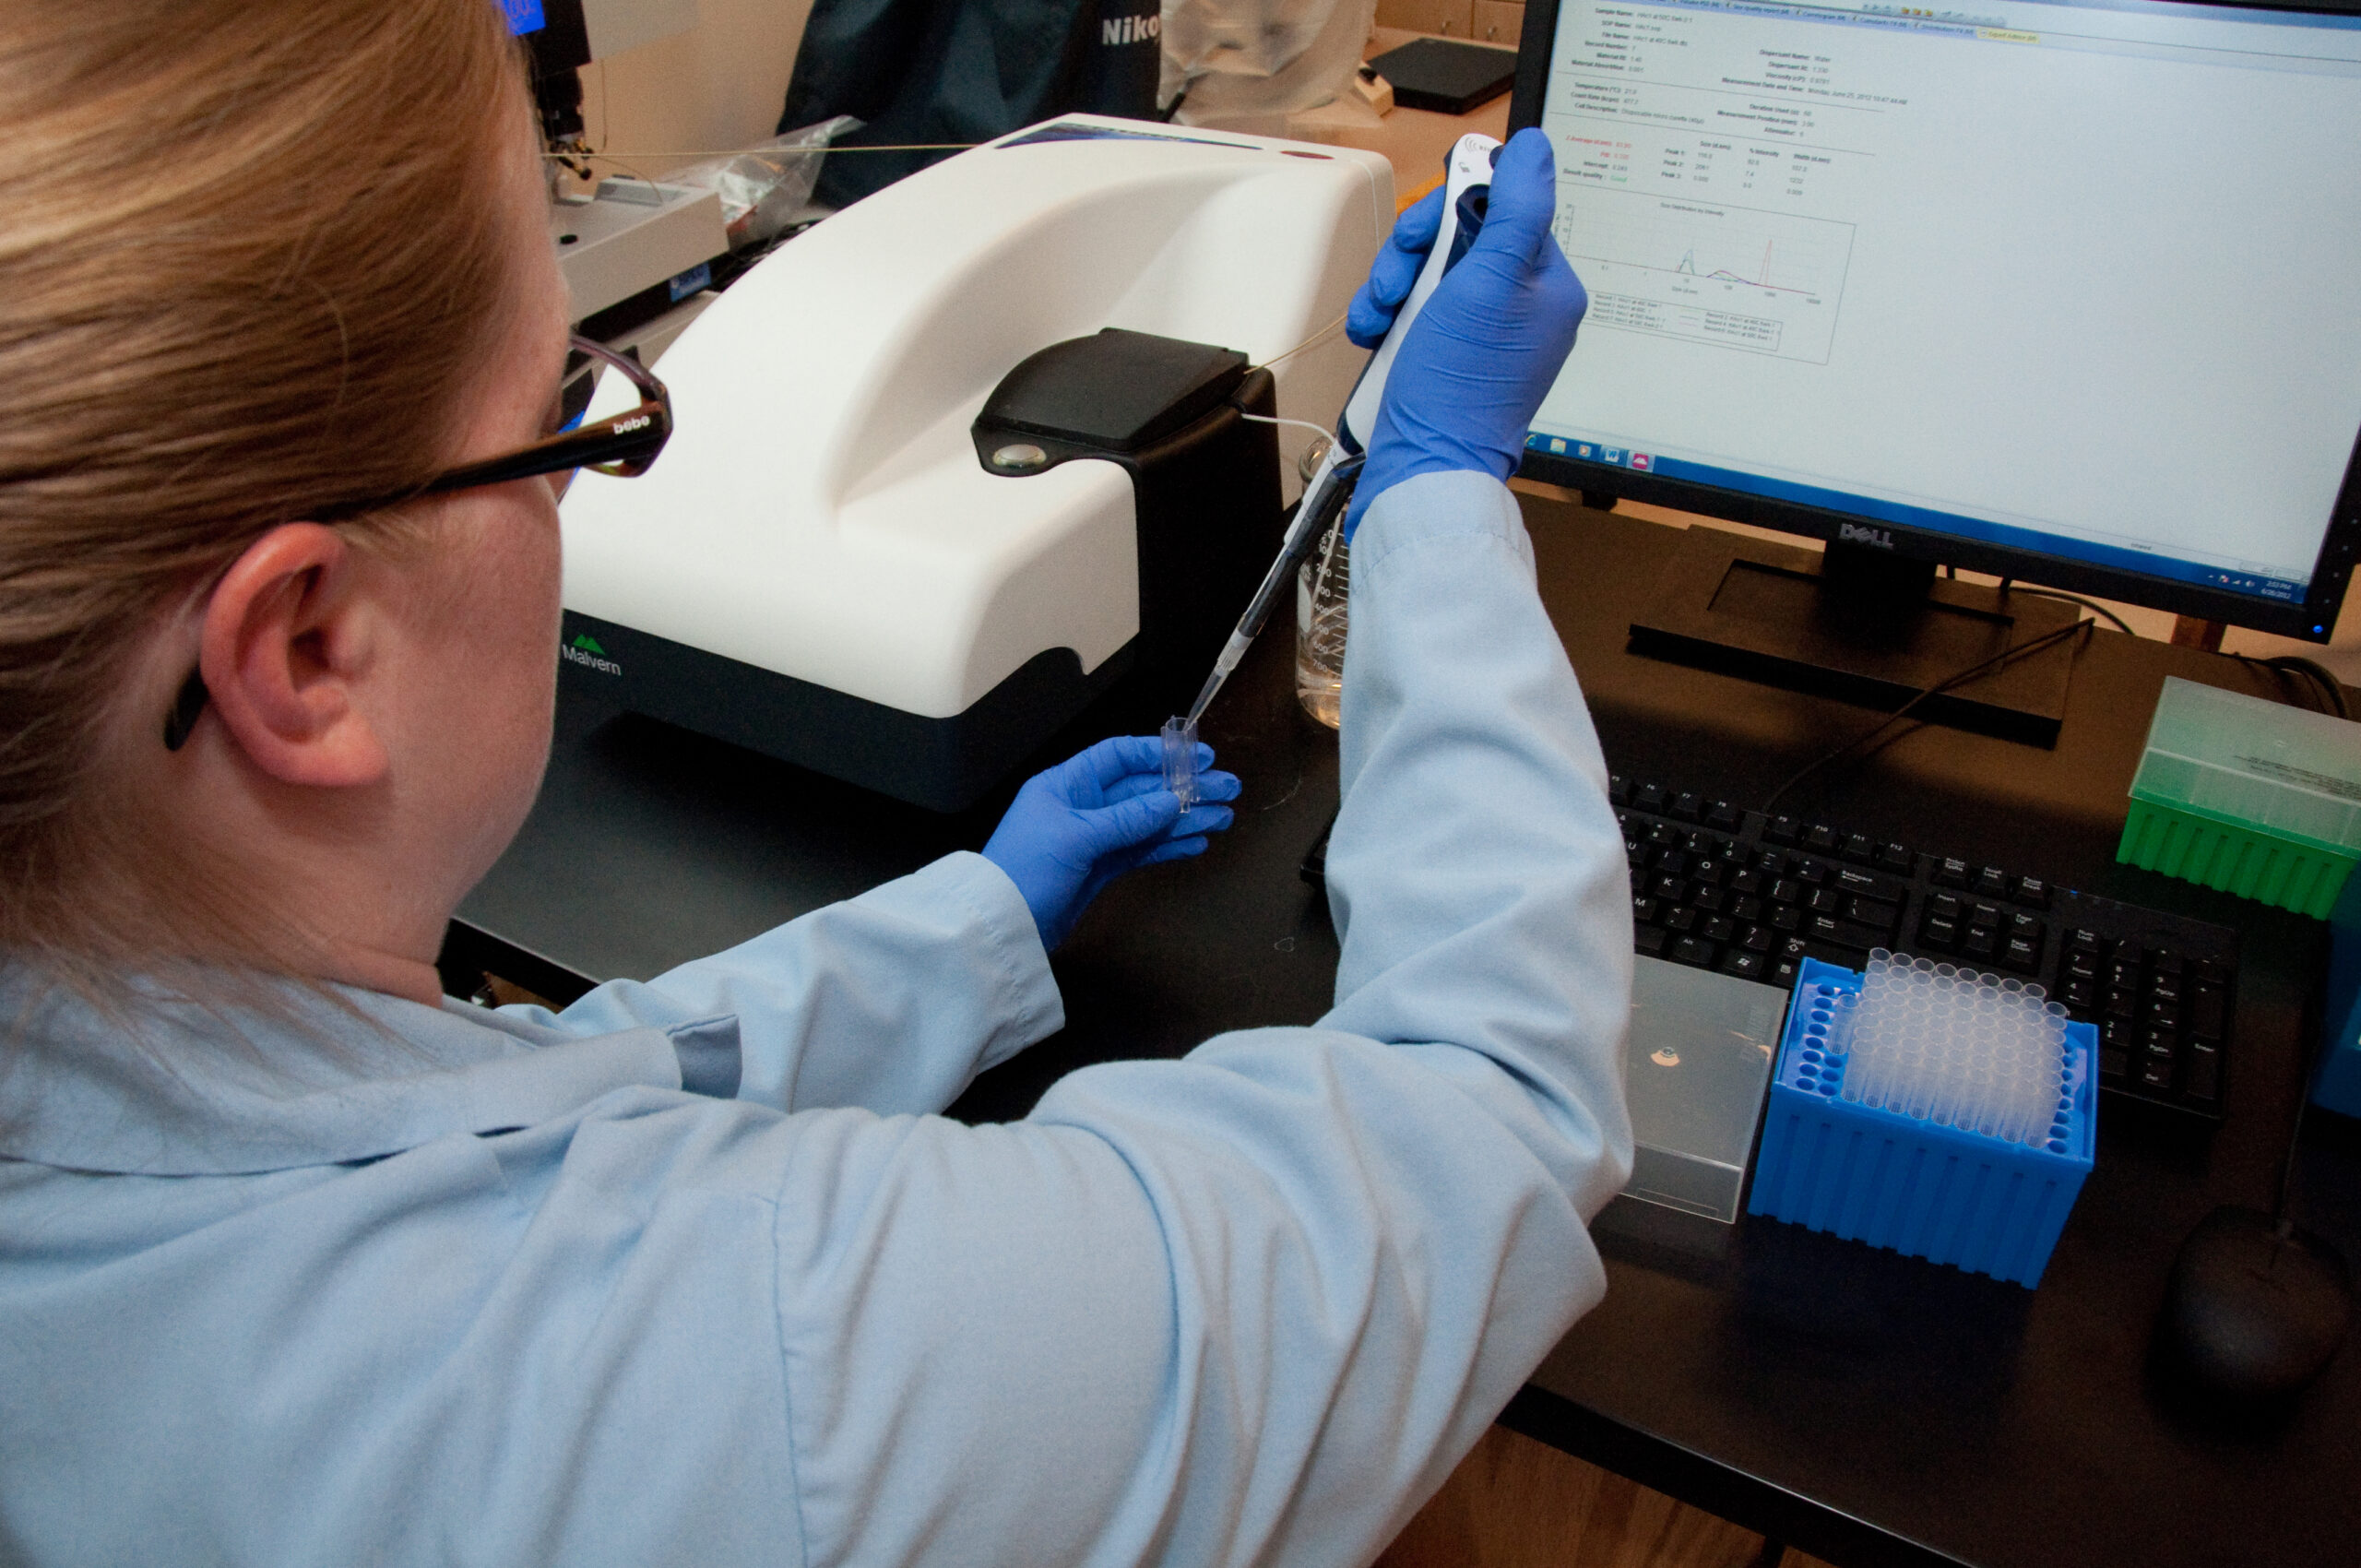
624, 446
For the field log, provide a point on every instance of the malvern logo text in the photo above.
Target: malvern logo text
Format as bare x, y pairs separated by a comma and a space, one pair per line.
591, 661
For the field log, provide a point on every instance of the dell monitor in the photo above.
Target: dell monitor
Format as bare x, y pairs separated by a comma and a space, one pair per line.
2064, 290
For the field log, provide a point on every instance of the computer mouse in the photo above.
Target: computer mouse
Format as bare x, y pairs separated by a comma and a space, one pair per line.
2251, 1313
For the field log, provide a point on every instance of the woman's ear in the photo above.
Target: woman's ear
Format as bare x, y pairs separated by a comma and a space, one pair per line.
287, 637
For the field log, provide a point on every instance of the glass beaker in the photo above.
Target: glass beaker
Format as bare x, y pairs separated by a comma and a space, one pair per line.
1322, 600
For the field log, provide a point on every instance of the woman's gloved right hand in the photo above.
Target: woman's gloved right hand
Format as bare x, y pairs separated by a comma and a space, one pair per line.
1482, 354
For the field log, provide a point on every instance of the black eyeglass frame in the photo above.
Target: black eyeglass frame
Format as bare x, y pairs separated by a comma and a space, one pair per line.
624, 445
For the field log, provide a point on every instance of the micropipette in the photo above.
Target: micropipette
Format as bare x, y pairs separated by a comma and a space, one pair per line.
1466, 187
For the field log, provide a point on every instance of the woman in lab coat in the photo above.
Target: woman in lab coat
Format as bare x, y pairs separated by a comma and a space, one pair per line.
301, 1263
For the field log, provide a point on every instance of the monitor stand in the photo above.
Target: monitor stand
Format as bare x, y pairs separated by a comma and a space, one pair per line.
1862, 626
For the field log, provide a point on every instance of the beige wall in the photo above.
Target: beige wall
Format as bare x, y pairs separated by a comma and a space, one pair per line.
713, 88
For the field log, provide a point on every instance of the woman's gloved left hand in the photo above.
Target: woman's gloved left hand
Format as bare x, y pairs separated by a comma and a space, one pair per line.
1077, 826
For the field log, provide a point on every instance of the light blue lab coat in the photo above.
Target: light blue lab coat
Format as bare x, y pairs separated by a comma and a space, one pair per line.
508, 1288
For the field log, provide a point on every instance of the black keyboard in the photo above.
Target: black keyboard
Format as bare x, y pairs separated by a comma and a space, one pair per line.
1754, 896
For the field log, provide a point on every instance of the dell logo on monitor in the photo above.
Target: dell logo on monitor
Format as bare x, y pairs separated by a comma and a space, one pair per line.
1853, 533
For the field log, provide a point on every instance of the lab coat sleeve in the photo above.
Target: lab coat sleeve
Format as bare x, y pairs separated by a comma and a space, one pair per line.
891, 1002
1252, 1306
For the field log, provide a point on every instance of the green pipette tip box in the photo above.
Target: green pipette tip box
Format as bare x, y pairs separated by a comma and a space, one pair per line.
2251, 797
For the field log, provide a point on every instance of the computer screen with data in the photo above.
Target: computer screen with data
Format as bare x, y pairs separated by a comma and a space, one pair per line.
2069, 290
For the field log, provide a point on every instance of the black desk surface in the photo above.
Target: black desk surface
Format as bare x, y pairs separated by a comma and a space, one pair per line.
1867, 1408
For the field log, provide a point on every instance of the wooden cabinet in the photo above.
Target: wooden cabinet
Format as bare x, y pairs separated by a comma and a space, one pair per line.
1449, 18
1494, 21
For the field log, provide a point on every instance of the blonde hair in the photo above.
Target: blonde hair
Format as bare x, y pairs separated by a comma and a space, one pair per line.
251, 260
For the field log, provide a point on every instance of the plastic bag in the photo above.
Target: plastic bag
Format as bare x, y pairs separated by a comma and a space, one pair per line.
764, 187
1248, 64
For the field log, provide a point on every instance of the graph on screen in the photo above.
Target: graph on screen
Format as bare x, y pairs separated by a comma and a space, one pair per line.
1724, 276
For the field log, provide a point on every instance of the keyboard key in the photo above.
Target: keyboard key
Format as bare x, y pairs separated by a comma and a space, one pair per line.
1783, 831
1688, 950
1830, 953
1827, 901
2030, 890
2156, 1074
1665, 836
1821, 836
1869, 884
1858, 847
1951, 873
2122, 1004
2113, 1065
2021, 956
1746, 966
1687, 806
1746, 908
2209, 1008
1680, 920
1896, 856
1649, 940
1671, 889
1938, 933
2084, 940
1992, 882
2204, 1082
2164, 961
1771, 862
1787, 892
1873, 912
1985, 915
2164, 988
1672, 862
1707, 871
1759, 939
1846, 934
1948, 905
1644, 910
1787, 917
1619, 789
2163, 1016
2079, 994
1811, 874
1708, 899
1722, 816
2211, 972
1718, 929
2027, 927
1981, 942
1746, 882
1648, 798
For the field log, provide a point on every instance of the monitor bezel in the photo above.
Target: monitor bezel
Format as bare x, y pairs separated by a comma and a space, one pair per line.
2313, 619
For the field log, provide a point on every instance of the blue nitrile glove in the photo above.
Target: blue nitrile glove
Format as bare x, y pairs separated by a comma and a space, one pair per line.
1076, 828
1478, 360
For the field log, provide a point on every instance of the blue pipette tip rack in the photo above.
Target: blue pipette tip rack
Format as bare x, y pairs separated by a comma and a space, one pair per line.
1947, 1195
